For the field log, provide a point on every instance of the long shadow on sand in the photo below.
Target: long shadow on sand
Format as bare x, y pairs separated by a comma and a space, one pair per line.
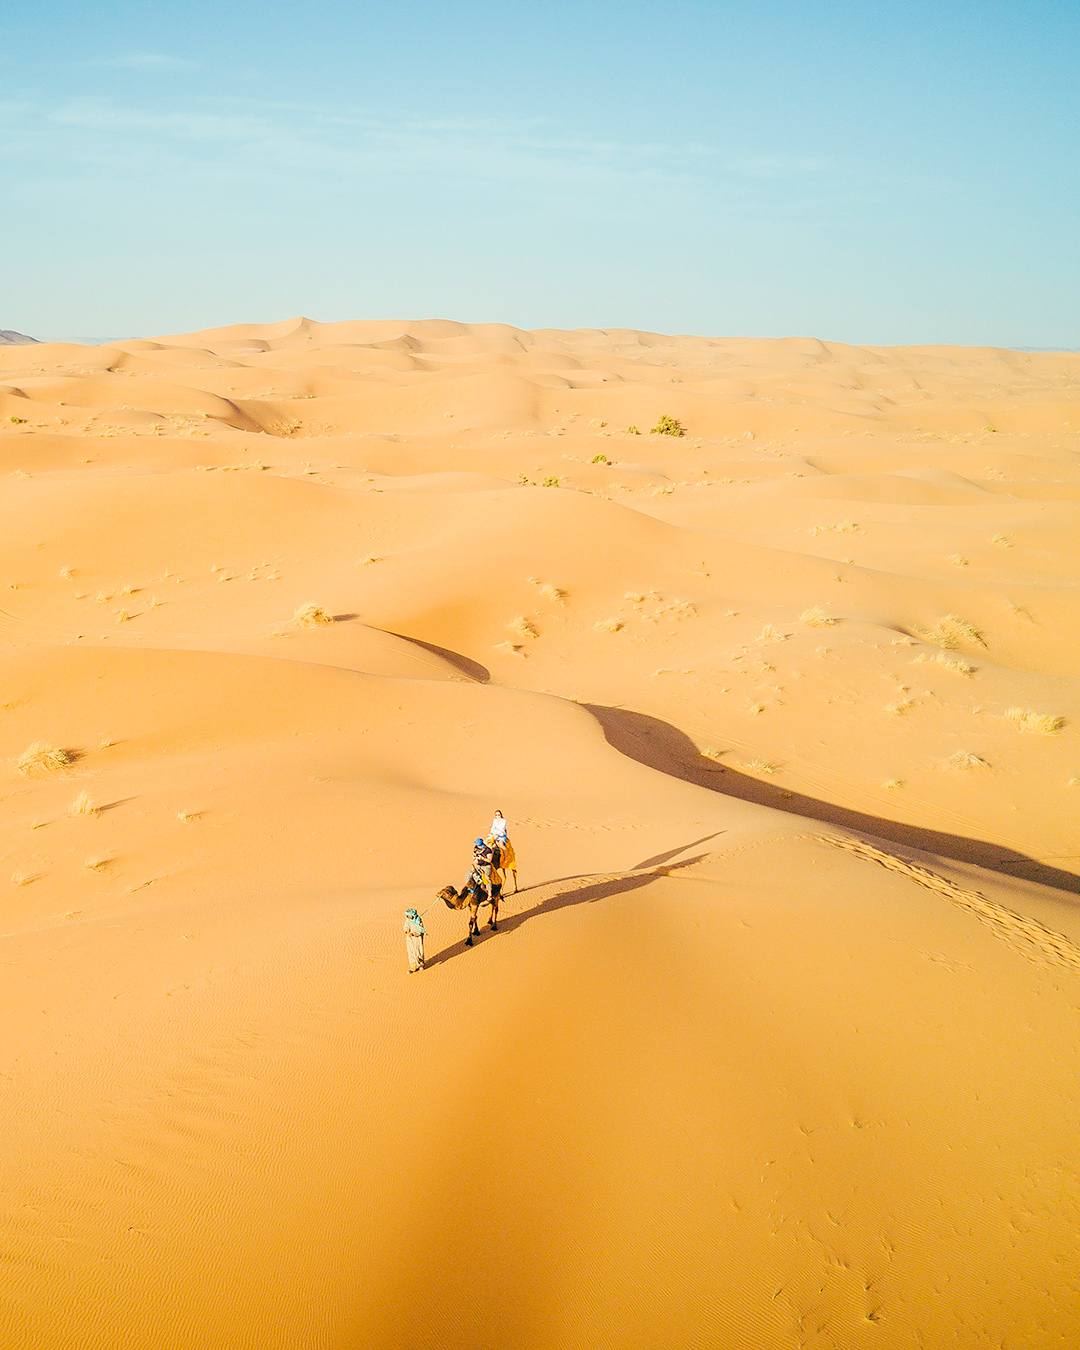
661, 746
581, 895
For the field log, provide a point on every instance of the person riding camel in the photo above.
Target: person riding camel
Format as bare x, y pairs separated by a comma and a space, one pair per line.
499, 839
480, 871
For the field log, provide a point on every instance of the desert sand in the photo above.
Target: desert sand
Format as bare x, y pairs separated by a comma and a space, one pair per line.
777, 1047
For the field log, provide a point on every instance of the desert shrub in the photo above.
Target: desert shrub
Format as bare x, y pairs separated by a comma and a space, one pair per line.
633, 431
41, 759
600, 459
667, 425
1042, 724
312, 616
551, 481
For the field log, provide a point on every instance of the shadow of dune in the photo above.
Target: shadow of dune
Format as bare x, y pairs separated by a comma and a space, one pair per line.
662, 746
473, 669
583, 895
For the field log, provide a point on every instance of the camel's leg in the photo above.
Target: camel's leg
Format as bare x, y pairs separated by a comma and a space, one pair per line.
516, 888
494, 924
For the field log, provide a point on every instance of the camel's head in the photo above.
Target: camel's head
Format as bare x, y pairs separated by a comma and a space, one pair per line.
450, 898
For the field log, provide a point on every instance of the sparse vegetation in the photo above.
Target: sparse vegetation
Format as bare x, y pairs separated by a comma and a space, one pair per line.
964, 759
16, 421
552, 593
762, 766
955, 664
188, 816
1040, 724
900, 707
39, 760
666, 425
841, 527
84, 806
550, 481
817, 617
950, 632
891, 784
523, 627
312, 616
612, 625
633, 431
600, 459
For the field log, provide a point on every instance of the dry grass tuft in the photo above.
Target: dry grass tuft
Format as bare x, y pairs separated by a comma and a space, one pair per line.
762, 766
952, 663
900, 707
891, 784
608, 625
84, 806
772, 634
553, 593
312, 616
1040, 724
964, 759
958, 560
188, 816
841, 527
523, 627
96, 864
39, 760
21, 878
369, 560
816, 617
950, 632
1002, 541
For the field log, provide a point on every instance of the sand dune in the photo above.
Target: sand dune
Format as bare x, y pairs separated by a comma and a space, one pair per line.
779, 1046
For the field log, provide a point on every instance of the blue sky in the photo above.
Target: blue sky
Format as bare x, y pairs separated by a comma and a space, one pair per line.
854, 171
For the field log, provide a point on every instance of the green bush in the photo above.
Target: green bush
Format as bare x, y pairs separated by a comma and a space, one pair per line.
551, 481
668, 426
18, 421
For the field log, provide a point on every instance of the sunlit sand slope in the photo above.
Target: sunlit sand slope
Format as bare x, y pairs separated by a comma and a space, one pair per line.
778, 1047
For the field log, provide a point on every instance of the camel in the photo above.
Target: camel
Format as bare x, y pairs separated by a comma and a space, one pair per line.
473, 894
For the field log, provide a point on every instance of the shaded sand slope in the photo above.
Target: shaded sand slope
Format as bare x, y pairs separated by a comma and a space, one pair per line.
779, 1047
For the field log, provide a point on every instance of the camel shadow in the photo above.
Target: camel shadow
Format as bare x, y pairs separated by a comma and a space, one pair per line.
662, 746
582, 895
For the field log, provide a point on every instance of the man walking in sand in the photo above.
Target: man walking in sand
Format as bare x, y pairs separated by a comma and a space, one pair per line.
414, 940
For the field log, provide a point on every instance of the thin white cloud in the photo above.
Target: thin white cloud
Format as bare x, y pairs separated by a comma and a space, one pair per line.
153, 61
265, 137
